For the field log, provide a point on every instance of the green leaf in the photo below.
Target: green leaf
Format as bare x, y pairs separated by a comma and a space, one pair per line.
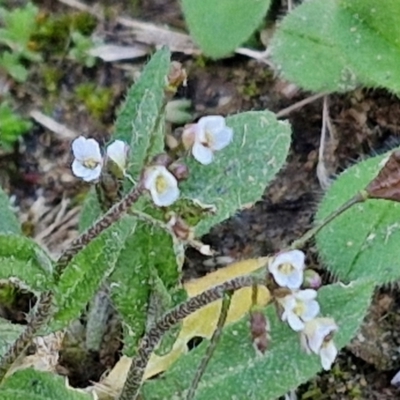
148, 255
9, 332
87, 270
236, 371
138, 117
305, 49
219, 27
9, 221
22, 258
331, 45
241, 171
29, 384
364, 241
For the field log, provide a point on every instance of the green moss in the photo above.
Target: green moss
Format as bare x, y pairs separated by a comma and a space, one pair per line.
51, 77
96, 99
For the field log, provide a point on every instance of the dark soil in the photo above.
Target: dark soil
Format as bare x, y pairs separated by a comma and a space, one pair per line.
37, 175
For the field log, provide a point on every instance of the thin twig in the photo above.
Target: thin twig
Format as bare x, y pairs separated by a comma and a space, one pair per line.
226, 302
286, 111
133, 382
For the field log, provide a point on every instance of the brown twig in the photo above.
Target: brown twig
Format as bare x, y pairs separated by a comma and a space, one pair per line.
133, 382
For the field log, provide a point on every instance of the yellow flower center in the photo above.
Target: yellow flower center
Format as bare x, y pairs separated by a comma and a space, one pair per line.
90, 163
209, 140
286, 268
161, 184
299, 308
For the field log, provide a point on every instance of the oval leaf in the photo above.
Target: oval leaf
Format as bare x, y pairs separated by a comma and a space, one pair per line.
218, 27
241, 171
364, 241
9, 221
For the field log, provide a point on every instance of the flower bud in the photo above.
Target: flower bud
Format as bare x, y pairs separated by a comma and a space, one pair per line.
162, 159
177, 76
180, 171
312, 279
259, 328
180, 228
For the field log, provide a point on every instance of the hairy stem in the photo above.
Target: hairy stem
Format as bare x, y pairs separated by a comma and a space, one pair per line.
43, 309
133, 382
39, 317
358, 198
226, 302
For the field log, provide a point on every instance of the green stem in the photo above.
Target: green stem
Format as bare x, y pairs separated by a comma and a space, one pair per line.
358, 198
226, 302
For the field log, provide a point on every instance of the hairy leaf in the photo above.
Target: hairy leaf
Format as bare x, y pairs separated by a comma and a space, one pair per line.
22, 258
241, 171
235, 359
29, 384
87, 270
9, 332
9, 221
139, 115
149, 251
364, 241
218, 27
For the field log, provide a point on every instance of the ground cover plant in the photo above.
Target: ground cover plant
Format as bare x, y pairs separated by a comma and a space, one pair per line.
264, 325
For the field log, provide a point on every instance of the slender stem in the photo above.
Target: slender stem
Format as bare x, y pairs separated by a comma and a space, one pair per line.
133, 382
358, 198
110, 217
43, 309
226, 302
38, 319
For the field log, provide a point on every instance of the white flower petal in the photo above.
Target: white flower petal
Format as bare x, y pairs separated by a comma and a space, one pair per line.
93, 175
294, 280
396, 380
92, 150
211, 123
295, 322
306, 295
202, 154
317, 330
170, 191
328, 355
78, 147
293, 257
222, 138
87, 174
311, 311
117, 152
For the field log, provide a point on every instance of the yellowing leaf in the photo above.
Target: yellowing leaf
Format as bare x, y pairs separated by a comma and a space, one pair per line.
200, 324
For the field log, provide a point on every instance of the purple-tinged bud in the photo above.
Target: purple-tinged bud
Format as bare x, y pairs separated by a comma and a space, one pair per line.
180, 228
177, 75
162, 159
180, 171
312, 279
259, 329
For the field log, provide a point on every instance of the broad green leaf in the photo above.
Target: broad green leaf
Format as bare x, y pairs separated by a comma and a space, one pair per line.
91, 211
331, 45
138, 117
364, 241
148, 252
219, 27
236, 371
29, 384
9, 332
9, 222
305, 51
241, 171
22, 258
87, 270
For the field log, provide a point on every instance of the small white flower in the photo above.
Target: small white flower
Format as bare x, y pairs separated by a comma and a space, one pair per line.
287, 269
117, 151
162, 185
210, 134
88, 160
299, 307
317, 337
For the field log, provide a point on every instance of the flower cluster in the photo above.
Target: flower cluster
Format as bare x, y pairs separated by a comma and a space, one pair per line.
205, 137
300, 309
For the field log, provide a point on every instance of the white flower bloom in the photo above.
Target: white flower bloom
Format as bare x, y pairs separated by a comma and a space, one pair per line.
299, 307
117, 151
210, 134
88, 160
317, 337
287, 269
162, 185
